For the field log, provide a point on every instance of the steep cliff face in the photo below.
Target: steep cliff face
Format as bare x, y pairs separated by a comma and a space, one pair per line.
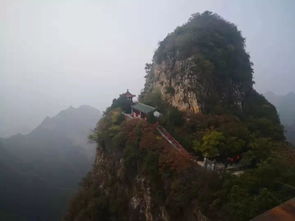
139, 176
177, 90
184, 86
202, 66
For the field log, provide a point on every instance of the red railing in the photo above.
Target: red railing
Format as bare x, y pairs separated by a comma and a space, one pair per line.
167, 136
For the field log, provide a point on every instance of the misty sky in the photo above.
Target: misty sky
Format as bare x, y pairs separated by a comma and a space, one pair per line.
57, 53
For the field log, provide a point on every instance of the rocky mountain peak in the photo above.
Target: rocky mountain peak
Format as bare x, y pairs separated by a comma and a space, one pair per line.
202, 66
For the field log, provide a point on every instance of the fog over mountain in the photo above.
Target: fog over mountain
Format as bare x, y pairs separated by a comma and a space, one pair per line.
195, 137
60, 53
42, 169
285, 105
216, 151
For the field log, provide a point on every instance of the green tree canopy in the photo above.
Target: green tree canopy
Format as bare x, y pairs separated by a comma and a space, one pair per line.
211, 39
211, 144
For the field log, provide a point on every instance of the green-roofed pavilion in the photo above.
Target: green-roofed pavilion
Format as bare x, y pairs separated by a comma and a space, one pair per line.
141, 110
144, 108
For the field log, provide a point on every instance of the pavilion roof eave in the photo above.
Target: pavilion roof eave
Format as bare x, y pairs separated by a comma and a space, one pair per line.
144, 108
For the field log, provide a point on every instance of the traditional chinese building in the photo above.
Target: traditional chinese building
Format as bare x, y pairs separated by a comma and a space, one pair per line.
128, 95
140, 110
137, 110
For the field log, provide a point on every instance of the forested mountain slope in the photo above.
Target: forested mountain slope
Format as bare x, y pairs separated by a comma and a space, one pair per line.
200, 81
42, 169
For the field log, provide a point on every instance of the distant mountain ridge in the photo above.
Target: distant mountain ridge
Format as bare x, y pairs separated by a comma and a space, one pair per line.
285, 105
42, 169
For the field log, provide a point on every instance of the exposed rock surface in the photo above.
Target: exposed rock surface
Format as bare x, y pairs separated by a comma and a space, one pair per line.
201, 67
183, 85
137, 196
